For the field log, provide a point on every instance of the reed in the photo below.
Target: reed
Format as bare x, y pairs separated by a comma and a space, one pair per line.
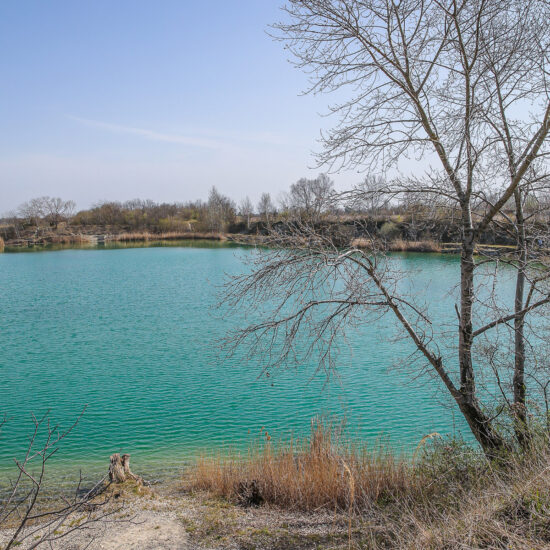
446, 496
68, 239
324, 471
400, 245
171, 235
1, 244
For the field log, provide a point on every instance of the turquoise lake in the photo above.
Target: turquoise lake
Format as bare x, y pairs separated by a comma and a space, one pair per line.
134, 334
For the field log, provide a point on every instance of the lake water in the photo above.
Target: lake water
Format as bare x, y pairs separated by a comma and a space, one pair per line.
133, 334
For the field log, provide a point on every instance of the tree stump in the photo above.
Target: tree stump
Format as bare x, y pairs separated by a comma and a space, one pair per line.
119, 469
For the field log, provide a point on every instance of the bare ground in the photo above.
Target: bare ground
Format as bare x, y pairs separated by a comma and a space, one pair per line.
166, 518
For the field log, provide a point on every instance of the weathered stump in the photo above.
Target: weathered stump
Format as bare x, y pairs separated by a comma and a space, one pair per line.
119, 469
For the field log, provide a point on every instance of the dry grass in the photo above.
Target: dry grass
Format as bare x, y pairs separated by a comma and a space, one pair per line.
1, 244
449, 497
506, 507
362, 242
171, 235
67, 239
399, 245
322, 472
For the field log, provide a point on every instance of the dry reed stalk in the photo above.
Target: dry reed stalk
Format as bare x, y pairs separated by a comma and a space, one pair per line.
400, 245
305, 475
442, 503
170, 235
68, 239
2, 244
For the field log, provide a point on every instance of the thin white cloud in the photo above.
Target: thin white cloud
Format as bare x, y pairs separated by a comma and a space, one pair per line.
152, 135
207, 138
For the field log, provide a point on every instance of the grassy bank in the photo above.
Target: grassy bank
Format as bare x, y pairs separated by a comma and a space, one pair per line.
447, 496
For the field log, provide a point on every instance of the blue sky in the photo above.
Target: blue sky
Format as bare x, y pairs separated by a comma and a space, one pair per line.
117, 100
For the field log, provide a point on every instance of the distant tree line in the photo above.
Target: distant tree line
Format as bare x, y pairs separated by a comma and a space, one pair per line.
217, 214
308, 199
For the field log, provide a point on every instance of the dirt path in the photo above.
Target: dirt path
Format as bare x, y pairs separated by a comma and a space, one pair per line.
169, 519
147, 530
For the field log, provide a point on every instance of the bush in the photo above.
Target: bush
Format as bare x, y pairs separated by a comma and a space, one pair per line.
389, 230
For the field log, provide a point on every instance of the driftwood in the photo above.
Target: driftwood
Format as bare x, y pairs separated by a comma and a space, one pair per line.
119, 469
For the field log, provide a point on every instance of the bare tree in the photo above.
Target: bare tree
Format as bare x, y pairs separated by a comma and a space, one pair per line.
24, 518
221, 211
266, 208
371, 197
462, 85
57, 210
32, 211
311, 197
13, 221
50, 209
246, 210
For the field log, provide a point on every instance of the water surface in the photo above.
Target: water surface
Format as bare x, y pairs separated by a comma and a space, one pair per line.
132, 334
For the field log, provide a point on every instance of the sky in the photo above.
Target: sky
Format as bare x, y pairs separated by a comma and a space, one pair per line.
103, 100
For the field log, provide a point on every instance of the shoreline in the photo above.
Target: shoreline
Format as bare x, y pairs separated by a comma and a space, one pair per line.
334, 500
56, 242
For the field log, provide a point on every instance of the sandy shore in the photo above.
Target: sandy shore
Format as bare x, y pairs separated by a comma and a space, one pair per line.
166, 518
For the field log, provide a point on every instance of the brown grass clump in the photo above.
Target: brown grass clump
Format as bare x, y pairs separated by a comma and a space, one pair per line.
399, 245
171, 235
68, 239
1, 244
322, 472
362, 242
447, 496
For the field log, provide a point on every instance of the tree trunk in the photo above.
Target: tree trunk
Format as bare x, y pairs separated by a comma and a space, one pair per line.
479, 422
467, 382
520, 409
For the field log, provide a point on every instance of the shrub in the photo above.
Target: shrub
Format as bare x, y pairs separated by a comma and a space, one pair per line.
389, 230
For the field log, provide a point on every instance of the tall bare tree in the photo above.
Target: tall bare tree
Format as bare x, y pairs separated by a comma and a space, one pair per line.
221, 211
49, 209
266, 208
463, 85
311, 197
246, 210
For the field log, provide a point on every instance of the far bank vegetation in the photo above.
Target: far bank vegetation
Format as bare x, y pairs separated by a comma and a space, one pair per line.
419, 225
